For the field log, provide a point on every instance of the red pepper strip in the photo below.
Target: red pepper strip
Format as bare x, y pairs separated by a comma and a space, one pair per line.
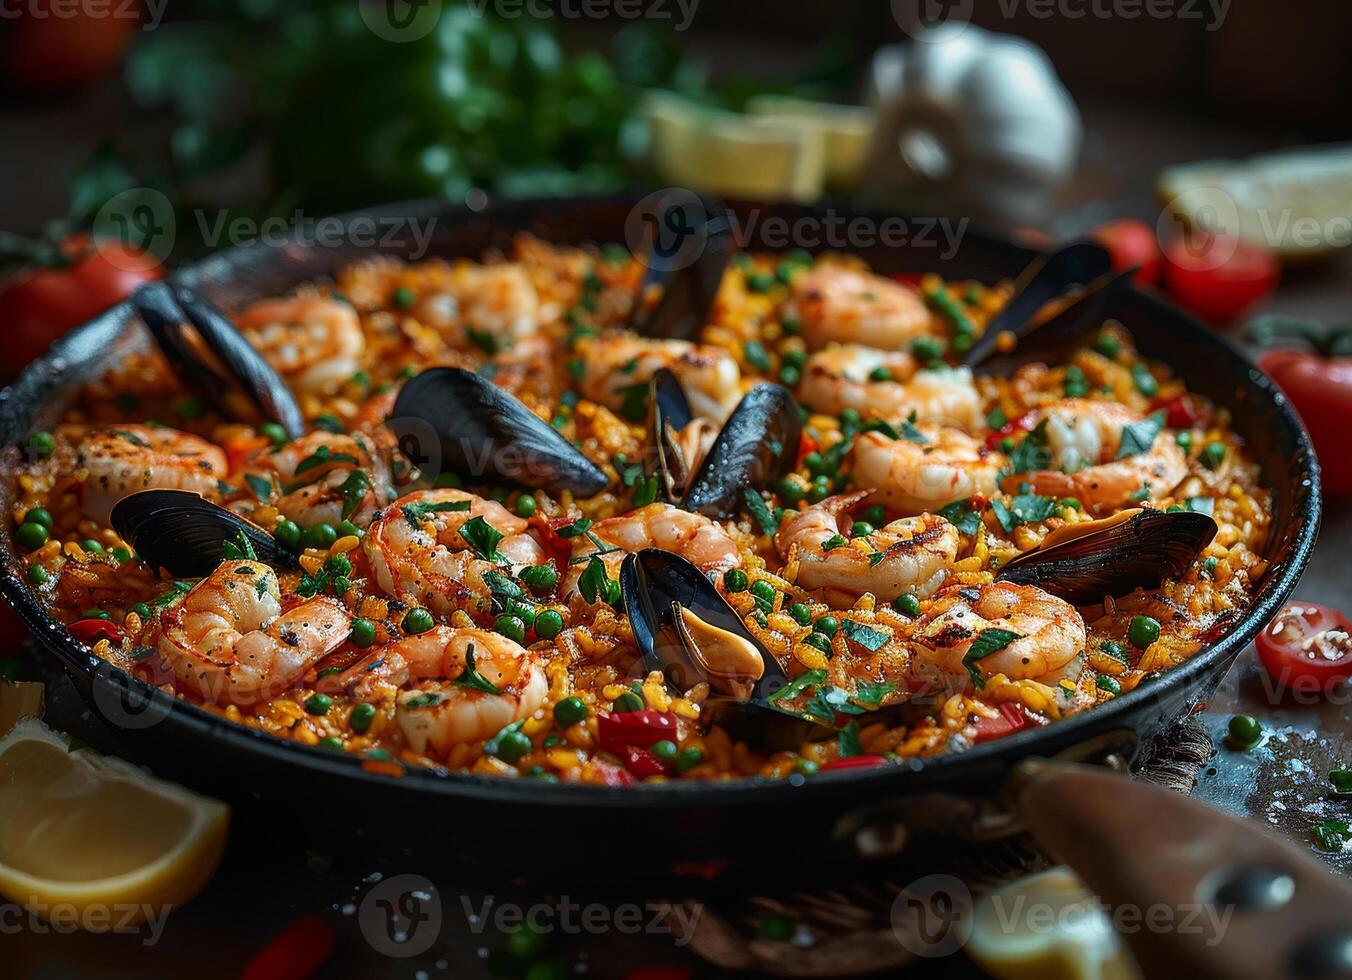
1021, 424
806, 445
612, 775
618, 730
296, 953
1179, 411
560, 549
1012, 719
855, 762
90, 631
908, 278
641, 762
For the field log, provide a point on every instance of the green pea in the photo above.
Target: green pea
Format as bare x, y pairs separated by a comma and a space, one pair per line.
1184, 440
963, 342
318, 704
997, 419
548, 624
540, 577
40, 445
664, 751
814, 462
513, 746
92, 546
734, 580
1209, 566
1143, 631
1144, 380
1076, 384
779, 928
331, 744
37, 574
348, 529
1212, 455
927, 349
319, 536
801, 613
511, 627
96, 614
31, 536
417, 620
827, 626
763, 590
403, 297
141, 610
806, 766
361, 716
791, 325
790, 375
1107, 345
880, 373
288, 534
363, 632
795, 358
759, 282
628, 701
907, 605
861, 529
121, 554
875, 515
1070, 502
1245, 731
525, 506
790, 490
274, 433
817, 641
39, 515
1341, 778
688, 759
570, 711
1109, 684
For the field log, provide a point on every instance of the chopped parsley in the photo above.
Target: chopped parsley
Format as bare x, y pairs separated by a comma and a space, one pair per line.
354, 490
760, 511
483, 538
595, 584
987, 642
414, 513
848, 740
634, 401
962, 515
872, 693
471, 677
1138, 437
239, 548
645, 491
793, 688
424, 700
323, 456
261, 486
866, 636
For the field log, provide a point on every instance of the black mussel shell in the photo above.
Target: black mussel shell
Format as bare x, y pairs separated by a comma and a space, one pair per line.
179, 531
484, 434
1129, 551
669, 413
1079, 264
217, 361
687, 249
756, 446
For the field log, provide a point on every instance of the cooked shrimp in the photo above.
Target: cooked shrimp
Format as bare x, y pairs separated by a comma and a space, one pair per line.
1084, 438
439, 715
841, 305
692, 536
498, 303
616, 364
912, 476
917, 552
228, 640
126, 458
843, 376
1049, 643
418, 553
314, 342
344, 477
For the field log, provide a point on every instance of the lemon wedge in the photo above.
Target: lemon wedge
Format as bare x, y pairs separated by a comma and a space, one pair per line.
1047, 926
95, 840
844, 129
19, 700
729, 153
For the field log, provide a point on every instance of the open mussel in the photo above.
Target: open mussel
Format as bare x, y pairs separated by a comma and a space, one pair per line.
1083, 273
755, 447
1084, 563
687, 246
189, 537
687, 630
483, 433
214, 358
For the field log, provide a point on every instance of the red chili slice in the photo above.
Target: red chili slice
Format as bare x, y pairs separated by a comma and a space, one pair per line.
855, 762
1012, 719
90, 631
296, 953
1179, 411
558, 548
641, 762
1021, 424
806, 445
618, 730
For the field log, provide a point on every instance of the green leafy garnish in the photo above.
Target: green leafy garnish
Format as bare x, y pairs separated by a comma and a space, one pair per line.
261, 486
866, 636
961, 515
760, 511
987, 642
354, 490
634, 404
799, 684
580, 526
848, 740
414, 513
829, 702
1138, 437
424, 700
323, 456
483, 340
1031, 454
483, 538
239, 548
594, 583
1332, 835
645, 491
910, 433
471, 677
872, 693
131, 437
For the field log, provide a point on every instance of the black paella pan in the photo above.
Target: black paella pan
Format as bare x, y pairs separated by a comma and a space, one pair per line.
651, 830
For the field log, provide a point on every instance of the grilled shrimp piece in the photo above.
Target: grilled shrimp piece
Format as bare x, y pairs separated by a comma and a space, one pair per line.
912, 476
229, 641
842, 376
126, 458
419, 554
616, 364
840, 305
692, 536
439, 715
1050, 634
499, 301
314, 342
917, 552
325, 463
1084, 438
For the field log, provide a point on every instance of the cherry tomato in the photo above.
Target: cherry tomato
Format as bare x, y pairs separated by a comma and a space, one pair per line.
1131, 244
855, 762
1217, 277
37, 305
1012, 719
296, 953
1320, 389
1307, 647
616, 731
49, 50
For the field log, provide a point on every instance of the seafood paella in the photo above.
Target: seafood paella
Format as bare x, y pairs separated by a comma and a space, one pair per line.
549, 514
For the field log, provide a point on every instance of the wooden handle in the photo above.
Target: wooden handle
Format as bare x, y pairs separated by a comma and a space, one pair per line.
1229, 899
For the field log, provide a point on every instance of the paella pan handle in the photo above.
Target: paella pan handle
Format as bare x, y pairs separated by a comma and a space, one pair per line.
1277, 911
